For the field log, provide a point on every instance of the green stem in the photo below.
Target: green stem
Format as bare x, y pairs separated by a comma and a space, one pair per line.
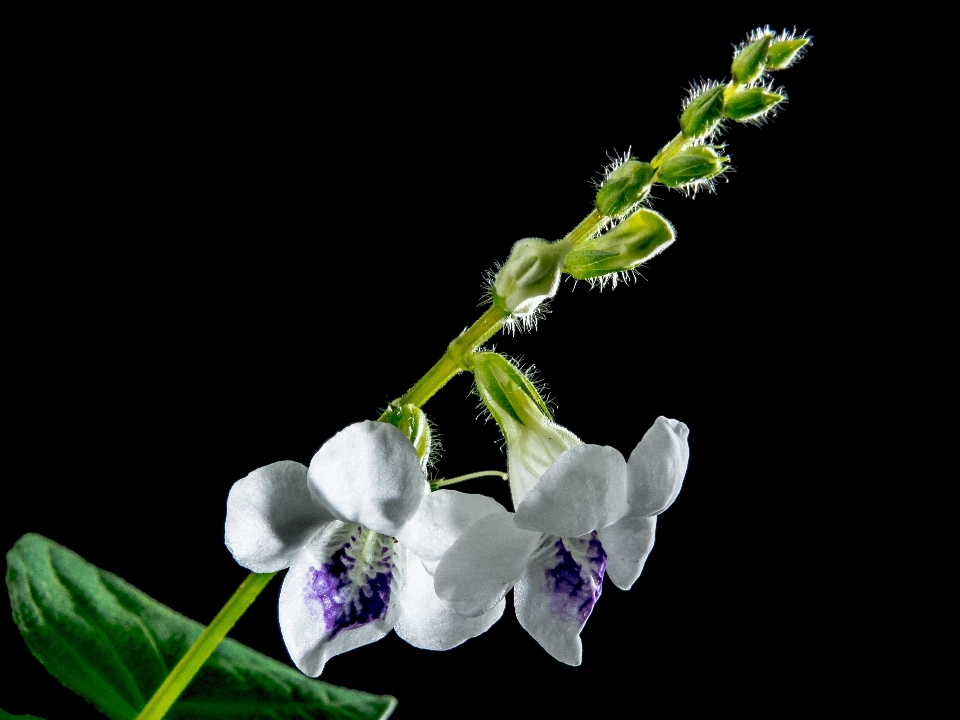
203, 648
454, 359
587, 228
670, 149
437, 484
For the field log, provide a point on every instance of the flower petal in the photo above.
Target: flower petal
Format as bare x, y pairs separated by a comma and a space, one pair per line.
426, 621
369, 473
533, 450
627, 544
271, 516
656, 467
584, 490
483, 564
342, 592
557, 592
442, 517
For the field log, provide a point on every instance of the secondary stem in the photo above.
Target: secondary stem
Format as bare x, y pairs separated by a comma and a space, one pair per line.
203, 648
453, 481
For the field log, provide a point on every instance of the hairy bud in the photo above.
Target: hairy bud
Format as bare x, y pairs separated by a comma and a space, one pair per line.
628, 184
702, 114
750, 104
693, 165
782, 53
748, 63
530, 275
638, 238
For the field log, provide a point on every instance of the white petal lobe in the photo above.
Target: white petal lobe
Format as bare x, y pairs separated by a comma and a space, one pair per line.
584, 490
369, 473
342, 592
557, 592
271, 515
426, 621
483, 564
656, 467
628, 544
442, 517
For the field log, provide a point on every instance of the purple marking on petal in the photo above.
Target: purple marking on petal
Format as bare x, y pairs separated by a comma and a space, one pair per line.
342, 603
574, 589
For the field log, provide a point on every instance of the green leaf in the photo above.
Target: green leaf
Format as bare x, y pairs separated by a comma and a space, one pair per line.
114, 645
4, 715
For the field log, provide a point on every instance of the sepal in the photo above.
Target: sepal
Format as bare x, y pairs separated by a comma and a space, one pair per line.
507, 393
414, 424
534, 441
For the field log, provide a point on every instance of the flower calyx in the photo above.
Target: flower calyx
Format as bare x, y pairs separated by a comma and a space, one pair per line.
533, 440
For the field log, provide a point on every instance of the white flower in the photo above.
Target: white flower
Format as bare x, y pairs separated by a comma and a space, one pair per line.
361, 535
590, 513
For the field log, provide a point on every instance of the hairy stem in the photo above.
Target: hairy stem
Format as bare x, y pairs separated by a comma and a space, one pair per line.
453, 360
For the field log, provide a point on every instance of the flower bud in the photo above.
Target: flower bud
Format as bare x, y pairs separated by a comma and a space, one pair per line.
638, 238
690, 166
748, 63
413, 423
782, 53
530, 275
626, 185
702, 114
534, 441
750, 104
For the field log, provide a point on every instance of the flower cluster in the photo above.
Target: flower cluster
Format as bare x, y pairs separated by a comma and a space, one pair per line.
370, 549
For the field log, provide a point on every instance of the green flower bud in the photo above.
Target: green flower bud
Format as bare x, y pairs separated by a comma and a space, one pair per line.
638, 238
750, 104
530, 275
782, 53
413, 423
703, 112
626, 185
748, 63
693, 165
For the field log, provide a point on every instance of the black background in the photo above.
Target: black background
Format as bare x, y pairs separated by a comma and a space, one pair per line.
238, 235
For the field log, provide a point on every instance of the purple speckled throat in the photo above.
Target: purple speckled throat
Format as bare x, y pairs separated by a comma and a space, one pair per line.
353, 587
574, 578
